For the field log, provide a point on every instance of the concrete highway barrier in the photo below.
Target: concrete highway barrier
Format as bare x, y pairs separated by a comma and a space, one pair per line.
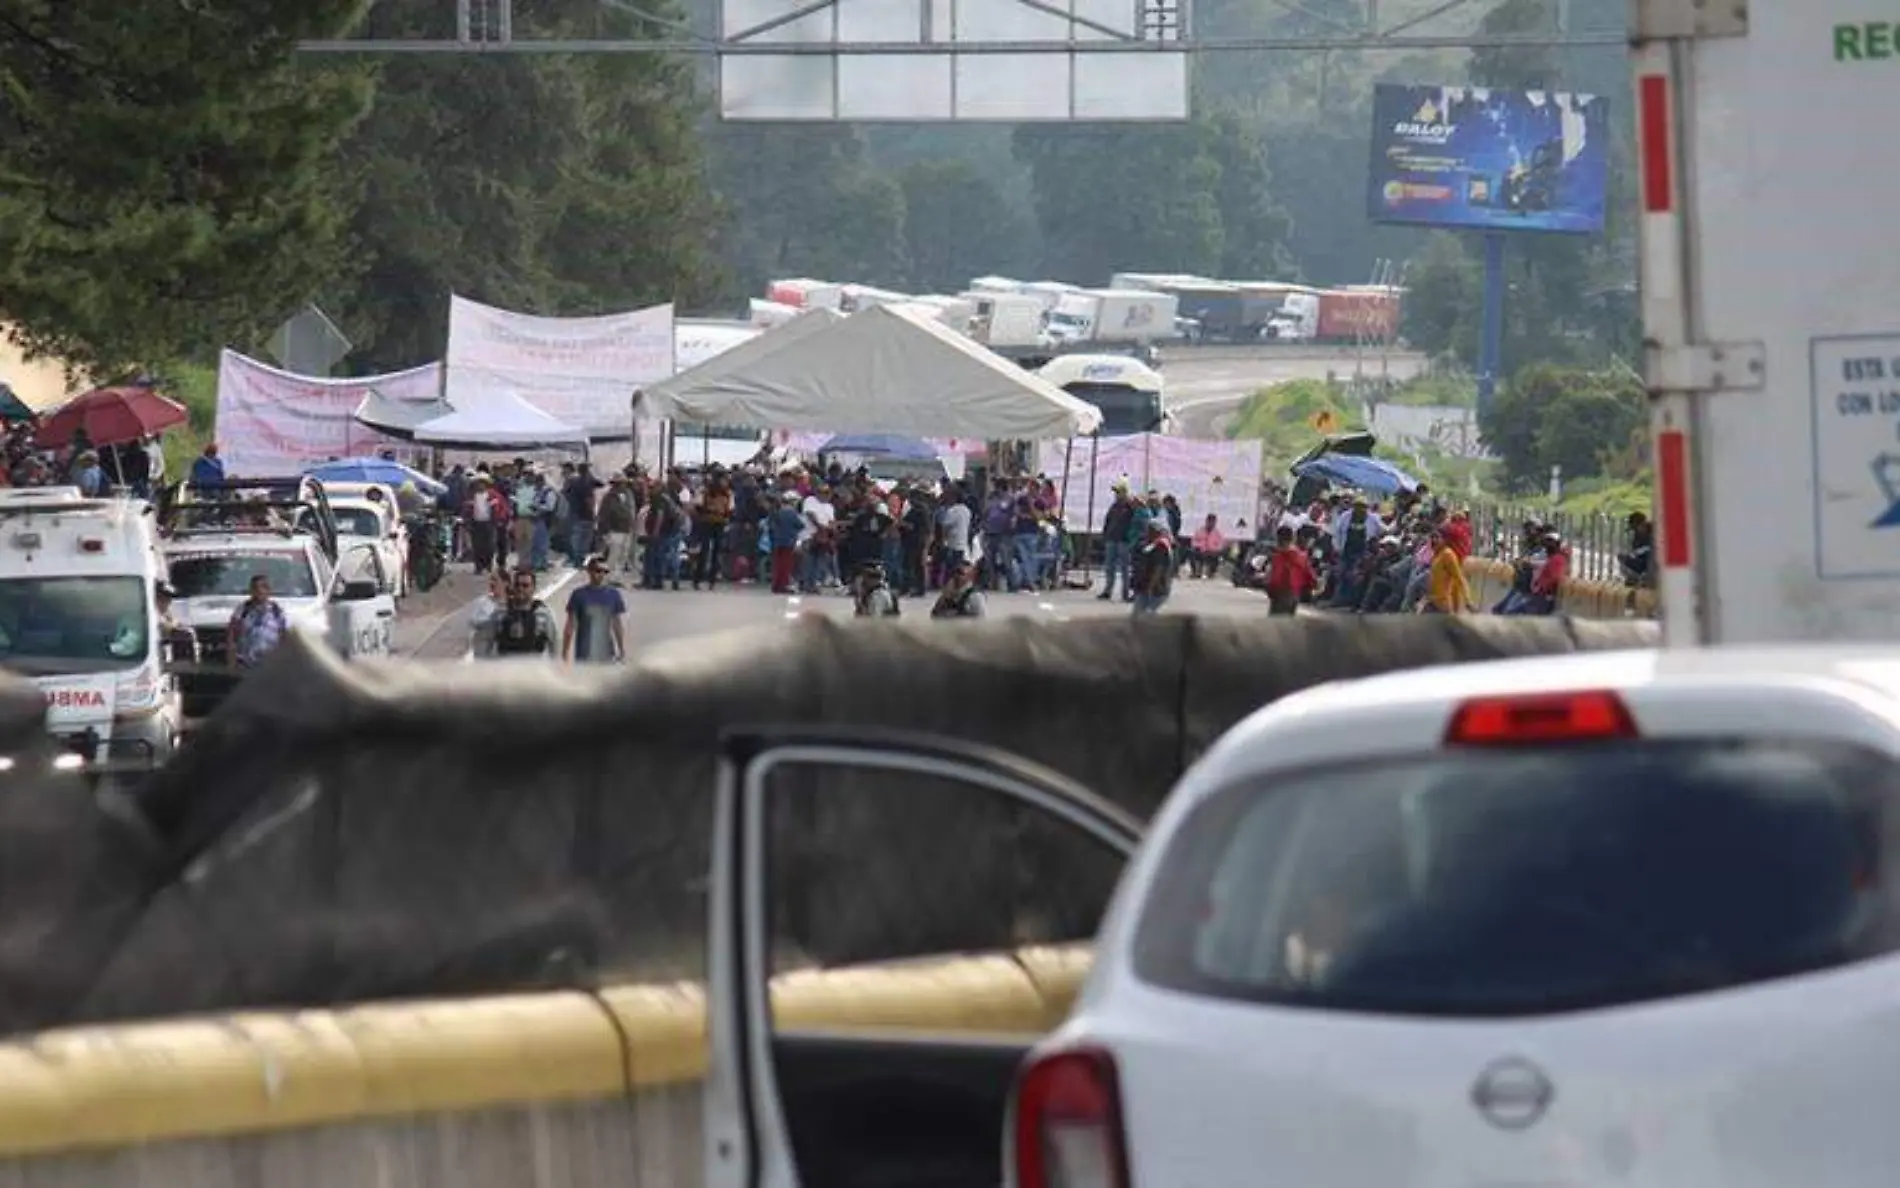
579, 1090
1490, 580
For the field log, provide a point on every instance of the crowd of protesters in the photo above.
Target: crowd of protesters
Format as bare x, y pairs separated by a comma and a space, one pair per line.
796, 529
137, 467
1350, 553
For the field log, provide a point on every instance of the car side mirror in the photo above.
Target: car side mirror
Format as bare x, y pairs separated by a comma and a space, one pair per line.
358, 591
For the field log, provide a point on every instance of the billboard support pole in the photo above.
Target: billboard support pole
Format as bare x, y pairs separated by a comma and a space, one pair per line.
1491, 344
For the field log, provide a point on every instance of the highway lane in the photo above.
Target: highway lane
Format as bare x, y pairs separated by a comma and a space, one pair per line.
657, 617
1206, 392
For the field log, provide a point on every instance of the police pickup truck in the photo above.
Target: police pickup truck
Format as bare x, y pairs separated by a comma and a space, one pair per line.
218, 538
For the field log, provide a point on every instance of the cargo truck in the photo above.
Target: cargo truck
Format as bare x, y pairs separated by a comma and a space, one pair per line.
1771, 316
805, 293
1357, 315
1007, 322
1113, 317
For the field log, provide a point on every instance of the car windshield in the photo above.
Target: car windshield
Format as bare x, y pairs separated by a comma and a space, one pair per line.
1124, 410
214, 575
358, 521
1516, 882
73, 624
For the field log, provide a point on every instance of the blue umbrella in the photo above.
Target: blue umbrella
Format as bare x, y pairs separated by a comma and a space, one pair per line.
881, 445
374, 470
1367, 474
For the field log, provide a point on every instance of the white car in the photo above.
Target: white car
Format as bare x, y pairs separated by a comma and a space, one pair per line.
368, 518
371, 526
1620, 918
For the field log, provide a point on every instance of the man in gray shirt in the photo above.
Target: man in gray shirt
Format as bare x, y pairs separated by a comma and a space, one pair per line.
953, 529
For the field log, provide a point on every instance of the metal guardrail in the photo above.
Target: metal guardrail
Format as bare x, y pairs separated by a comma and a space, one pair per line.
1596, 541
1215, 352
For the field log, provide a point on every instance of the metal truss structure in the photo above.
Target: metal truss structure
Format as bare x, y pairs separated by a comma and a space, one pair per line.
487, 26
1009, 61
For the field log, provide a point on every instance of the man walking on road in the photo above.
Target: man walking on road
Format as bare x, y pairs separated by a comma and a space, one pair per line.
596, 620
1117, 524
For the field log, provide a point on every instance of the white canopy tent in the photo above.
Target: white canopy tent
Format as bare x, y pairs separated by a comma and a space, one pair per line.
662, 399
883, 370
500, 420
399, 418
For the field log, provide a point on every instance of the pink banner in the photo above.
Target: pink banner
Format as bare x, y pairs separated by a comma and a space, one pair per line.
1221, 478
272, 423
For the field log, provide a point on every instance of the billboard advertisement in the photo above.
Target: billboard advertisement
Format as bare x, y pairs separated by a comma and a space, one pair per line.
1488, 160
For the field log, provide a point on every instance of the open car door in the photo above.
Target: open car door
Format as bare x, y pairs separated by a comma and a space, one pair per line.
362, 611
837, 848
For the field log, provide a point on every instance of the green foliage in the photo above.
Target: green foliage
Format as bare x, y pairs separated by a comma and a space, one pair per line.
195, 386
1611, 499
948, 206
1444, 299
1111, 198
1556, 416
167, 175
1283, 417
1450, 388
803, 201
562, 185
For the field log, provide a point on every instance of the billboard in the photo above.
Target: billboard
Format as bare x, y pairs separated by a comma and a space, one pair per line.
1488, 160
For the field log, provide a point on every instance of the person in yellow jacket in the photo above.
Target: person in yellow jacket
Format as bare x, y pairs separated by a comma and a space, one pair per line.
1446, 590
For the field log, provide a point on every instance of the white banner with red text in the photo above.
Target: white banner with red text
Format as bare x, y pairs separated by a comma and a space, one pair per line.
580, 371
273, 423
1218, 478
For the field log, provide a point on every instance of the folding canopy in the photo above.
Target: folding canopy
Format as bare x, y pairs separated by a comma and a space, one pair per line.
500, 420
398, 418
662, 399
884, 370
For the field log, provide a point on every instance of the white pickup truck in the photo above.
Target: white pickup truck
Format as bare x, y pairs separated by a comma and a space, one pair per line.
215, 548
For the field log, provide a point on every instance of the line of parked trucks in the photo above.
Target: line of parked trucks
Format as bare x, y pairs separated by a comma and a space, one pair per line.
1030, 320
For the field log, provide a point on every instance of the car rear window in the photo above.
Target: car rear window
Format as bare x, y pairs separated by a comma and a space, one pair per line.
1503, 882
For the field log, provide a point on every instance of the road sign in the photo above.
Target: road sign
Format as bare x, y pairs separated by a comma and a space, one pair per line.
1020, 60
308, 343
1323, 421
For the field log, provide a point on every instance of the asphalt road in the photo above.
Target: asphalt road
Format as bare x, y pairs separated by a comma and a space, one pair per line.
1206, 392
440, 632
1205, 388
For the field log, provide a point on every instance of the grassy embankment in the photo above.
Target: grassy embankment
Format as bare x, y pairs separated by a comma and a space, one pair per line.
1283, 419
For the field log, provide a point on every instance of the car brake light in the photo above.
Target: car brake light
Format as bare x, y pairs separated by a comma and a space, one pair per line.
1068, 1127
1541, 718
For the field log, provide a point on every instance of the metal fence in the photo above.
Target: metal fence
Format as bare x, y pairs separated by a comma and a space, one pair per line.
1595, 541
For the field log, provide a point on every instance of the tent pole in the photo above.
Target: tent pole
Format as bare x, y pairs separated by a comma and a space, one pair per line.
1062, 496
1088, 526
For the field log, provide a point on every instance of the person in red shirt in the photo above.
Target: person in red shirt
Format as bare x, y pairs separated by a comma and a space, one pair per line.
1290, 575
1548, 584
1457, 530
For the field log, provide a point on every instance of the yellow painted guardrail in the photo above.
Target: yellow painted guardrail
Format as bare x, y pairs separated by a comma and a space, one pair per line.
123, 1086
1490, 580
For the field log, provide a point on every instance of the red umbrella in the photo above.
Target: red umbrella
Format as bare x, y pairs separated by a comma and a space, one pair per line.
111, 416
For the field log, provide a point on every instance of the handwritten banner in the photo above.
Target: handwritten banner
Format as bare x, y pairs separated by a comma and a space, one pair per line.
273, 423
1221, 478
581, 371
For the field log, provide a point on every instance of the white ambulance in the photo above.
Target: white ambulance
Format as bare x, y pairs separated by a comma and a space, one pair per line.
78, 619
